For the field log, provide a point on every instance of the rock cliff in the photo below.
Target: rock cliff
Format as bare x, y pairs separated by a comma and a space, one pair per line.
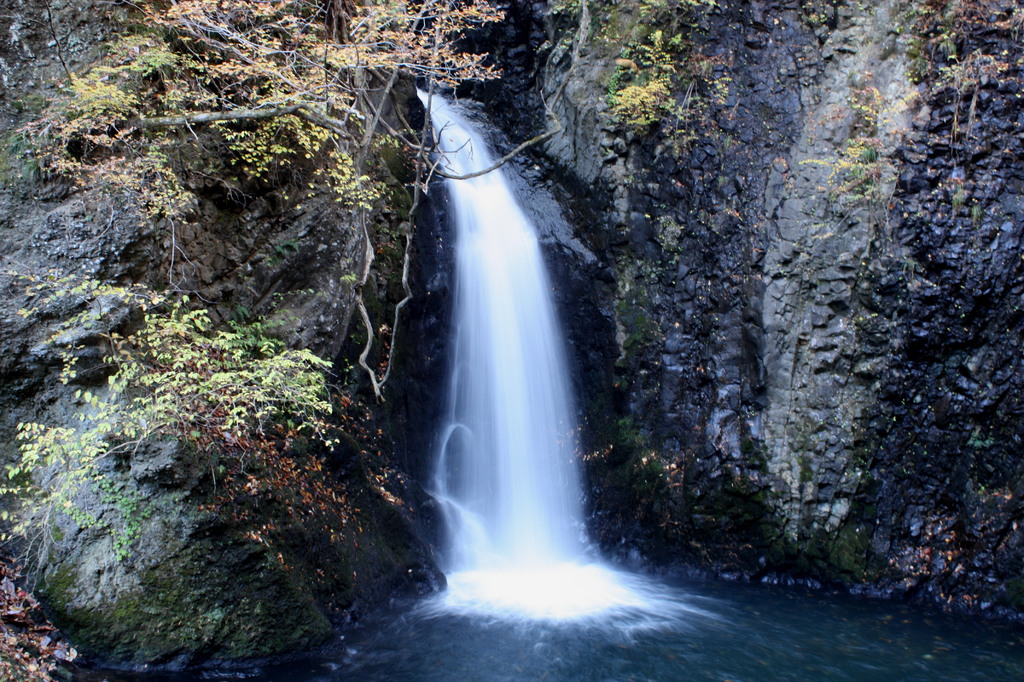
808, 276
265, 573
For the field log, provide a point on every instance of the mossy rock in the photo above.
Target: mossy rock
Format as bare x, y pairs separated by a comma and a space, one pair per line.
1015, 593
261, 577
235, 601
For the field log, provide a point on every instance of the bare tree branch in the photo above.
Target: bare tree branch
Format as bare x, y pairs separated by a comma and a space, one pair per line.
555, 124
361, 304
56, 40
508, 157
303, 111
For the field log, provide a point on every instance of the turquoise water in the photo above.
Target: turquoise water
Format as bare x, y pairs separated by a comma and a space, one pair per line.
729, 632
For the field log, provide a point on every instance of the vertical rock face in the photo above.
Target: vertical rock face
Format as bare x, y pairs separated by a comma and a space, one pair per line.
802, 359
947, 467
194, 579
819, 254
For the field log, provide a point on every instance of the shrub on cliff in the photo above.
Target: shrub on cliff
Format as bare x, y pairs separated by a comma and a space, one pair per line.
280, 82
235, 394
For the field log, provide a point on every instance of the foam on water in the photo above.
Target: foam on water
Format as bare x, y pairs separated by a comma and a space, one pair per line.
555, 592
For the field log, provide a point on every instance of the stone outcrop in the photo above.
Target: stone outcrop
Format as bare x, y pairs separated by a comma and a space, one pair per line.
266, 575
794, 373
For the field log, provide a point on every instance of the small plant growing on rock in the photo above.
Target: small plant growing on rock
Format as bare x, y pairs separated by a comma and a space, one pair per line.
862, 172
639, 92
231, 393
653, 67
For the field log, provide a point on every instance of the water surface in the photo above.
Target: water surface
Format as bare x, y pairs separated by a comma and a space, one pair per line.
716, 632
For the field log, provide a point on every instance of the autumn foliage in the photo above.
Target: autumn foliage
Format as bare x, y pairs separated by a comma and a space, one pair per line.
233, 396
279, 81
30, 647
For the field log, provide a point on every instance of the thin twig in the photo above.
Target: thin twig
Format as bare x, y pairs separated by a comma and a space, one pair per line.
56, 40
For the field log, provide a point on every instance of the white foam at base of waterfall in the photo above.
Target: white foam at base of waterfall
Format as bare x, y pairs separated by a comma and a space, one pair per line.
570, 593
566, 591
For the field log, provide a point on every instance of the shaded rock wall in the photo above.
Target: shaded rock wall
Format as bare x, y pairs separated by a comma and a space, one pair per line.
797, 374
265, 574
948, 467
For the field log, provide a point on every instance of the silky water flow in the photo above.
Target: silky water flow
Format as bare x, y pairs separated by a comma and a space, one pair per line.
506, 476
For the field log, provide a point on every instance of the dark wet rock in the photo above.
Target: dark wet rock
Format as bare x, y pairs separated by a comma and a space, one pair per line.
785, 382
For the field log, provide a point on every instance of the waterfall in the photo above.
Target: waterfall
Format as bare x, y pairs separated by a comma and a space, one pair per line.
506, 467
506, 476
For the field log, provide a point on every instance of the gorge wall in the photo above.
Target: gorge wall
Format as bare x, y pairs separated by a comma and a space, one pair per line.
810, 283
202, 572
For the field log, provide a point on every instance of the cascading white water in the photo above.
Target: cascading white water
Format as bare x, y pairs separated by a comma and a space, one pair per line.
506, 475
506, 467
